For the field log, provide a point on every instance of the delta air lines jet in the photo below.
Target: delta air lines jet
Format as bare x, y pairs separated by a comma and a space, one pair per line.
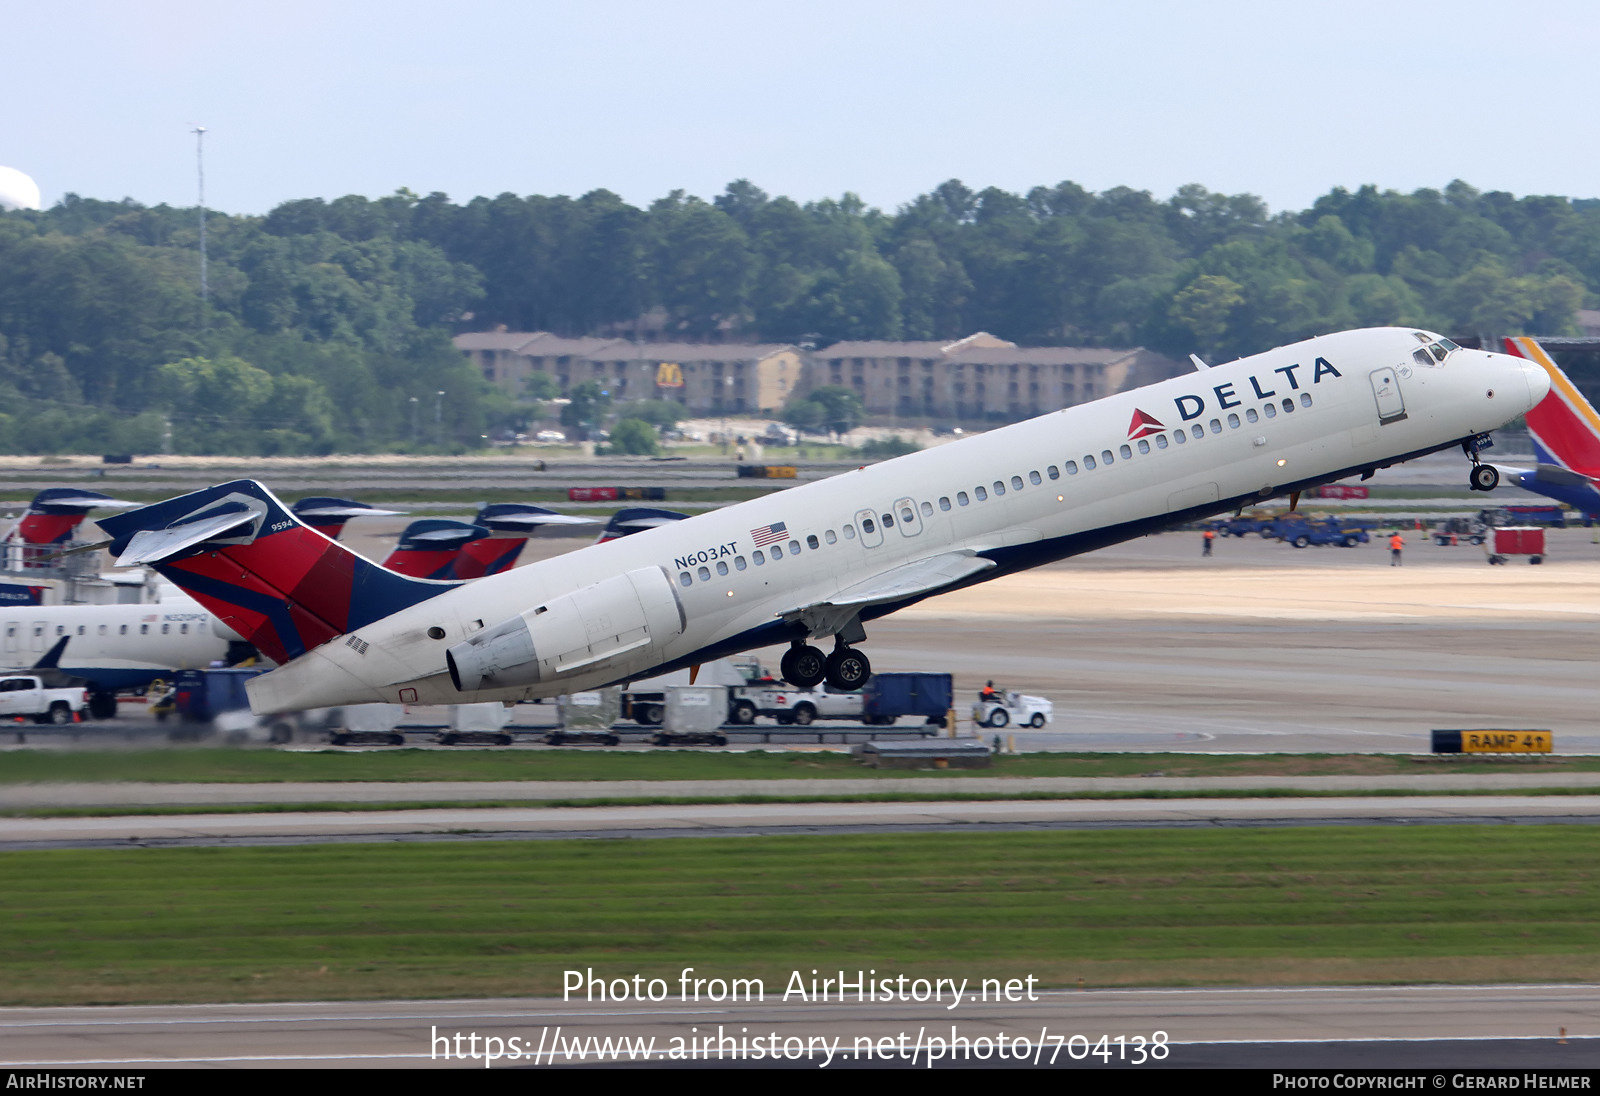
823, 559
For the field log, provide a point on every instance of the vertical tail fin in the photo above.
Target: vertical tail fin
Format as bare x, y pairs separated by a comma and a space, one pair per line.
432, 548
636, 519
512, 523
280, 584
51, 519
327, 514
1565, 427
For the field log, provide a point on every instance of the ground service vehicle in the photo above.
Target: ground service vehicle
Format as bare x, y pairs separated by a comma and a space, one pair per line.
27, 695
887, 697
1012, 708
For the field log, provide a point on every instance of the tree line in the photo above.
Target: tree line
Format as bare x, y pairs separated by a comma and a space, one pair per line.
327, 323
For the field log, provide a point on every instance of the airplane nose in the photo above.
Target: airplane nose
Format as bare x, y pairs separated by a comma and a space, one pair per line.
1538, 382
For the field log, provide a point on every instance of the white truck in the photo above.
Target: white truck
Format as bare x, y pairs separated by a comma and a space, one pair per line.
789, 705
1004, 709
26, 694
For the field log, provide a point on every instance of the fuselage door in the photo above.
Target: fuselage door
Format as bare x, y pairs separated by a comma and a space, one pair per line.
1386, 390
905, 514
871, 531
39, 629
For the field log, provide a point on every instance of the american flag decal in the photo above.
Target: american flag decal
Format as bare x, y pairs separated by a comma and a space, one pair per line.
769, 534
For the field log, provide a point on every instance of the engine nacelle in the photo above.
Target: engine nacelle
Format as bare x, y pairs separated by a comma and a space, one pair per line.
612, 628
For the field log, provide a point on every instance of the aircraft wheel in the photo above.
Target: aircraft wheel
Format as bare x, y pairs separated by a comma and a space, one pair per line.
999, 717
1484, 477
1037, 720
848, 669
103, 705
804, 666
804, 714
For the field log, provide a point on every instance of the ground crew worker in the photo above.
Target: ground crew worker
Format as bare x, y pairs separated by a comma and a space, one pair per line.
987, 693
1209, 535
1396, 542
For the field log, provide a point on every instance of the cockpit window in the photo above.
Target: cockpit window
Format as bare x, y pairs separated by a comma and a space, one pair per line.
1421, 357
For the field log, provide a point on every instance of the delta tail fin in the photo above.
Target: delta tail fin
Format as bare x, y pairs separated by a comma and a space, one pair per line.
278, 583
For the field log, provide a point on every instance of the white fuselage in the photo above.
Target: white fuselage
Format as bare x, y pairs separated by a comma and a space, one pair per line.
114, 646
1338, 404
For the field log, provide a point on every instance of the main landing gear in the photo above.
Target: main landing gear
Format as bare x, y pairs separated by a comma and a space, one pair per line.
805, 667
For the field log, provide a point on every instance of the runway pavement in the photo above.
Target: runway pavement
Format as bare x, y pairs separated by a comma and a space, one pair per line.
1368, 1027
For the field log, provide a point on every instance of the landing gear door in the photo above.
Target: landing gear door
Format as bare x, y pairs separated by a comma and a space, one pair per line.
1386, 390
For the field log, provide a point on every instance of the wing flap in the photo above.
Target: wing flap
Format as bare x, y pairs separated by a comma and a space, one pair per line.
924, 576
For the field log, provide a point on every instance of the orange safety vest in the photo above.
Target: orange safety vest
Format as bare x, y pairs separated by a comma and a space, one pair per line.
1396, 543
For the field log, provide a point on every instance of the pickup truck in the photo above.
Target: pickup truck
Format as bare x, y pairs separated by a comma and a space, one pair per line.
25, 694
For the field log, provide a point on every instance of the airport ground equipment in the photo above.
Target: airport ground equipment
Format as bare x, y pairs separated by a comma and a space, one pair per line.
889, 696
587, 717
615, 494
694, 716
355, 724
483, 723
1515, 540
1552, 515
645, 701
1012, 707
27, 695
766, 471
1455, 530
937, 753
215, 700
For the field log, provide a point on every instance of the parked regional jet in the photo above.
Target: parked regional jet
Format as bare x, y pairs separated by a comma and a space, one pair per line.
1566, 438
115, 648
821, 559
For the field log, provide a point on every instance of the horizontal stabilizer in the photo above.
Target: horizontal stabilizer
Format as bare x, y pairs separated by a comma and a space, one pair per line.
154, 545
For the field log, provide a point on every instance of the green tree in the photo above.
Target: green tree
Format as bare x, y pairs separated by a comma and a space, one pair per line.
635, 436
586, 410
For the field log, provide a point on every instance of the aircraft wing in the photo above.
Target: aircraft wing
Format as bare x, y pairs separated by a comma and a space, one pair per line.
154, 545
909, 580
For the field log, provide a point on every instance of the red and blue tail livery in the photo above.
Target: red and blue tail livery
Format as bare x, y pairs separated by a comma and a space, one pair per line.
431, 548
328, 514
1565, 431
283, 586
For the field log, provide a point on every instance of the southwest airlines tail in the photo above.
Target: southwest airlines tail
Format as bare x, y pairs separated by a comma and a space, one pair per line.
1565, 427
283, 586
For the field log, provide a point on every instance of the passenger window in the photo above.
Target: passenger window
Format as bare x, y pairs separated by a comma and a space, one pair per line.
961, 498
1127, 454
184, 628
1053, 472
124, 630
849, 532
739, 564
999, 488
888, 520
1250, 414
1016, 483
944, 502
1144, 446
1271, 411
758, 557
685, 578
705, 575
1088, 462
1198, 431
1216, 427
144, 629
794, 547
927, 509
1233, 421
1288, 404
61, 629
777, 550
1034, 478
812, 542
1180, 437
82, 631
868, 528
102, 630
1161, 441
1106, 457
830, 536
1305, 399
722, 567
980, 494
1072, 467
165, 628
907, 515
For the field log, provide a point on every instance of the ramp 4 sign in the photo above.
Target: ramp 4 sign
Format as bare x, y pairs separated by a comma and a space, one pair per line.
1492, 741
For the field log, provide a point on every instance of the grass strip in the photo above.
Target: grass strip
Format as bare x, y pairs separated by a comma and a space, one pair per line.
1114, 907
212, 764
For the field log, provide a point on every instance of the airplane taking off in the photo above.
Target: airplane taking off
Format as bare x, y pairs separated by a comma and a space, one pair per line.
1565, 430
823, 558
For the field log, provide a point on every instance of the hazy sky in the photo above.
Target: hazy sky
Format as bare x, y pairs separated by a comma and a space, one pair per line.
318, 98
